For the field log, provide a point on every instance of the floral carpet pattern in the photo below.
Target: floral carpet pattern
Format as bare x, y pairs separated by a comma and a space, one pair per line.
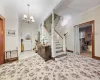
73, 67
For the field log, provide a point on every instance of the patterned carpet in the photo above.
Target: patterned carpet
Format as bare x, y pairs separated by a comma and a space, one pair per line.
73, 67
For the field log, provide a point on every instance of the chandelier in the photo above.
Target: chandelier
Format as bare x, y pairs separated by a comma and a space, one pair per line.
27, 18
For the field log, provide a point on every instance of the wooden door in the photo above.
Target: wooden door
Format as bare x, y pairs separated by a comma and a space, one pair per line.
2, 41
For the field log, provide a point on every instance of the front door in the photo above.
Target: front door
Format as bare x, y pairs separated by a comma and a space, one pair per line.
2, 53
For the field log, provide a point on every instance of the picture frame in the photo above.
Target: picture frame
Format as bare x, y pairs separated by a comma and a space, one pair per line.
11, 33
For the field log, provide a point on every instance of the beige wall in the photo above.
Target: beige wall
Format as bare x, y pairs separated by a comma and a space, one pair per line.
94, 14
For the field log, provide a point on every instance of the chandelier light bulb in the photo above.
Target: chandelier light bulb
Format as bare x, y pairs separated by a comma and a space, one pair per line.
31, 17
33, 20
25, 16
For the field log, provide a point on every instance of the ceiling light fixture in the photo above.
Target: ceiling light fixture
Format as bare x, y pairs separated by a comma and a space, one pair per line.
27, 18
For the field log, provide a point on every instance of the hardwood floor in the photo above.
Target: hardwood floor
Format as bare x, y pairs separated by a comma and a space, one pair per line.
87, 54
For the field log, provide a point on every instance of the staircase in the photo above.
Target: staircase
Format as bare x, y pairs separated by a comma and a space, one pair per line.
56, 39
60, 54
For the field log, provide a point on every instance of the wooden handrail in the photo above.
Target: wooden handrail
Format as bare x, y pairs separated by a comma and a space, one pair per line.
58, 33
46, 29
65, 34
54, 30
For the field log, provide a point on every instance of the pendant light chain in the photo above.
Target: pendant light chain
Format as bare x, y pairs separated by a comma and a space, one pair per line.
28, 10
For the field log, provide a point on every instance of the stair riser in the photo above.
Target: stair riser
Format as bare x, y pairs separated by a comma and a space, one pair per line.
56, 42
61, 58
57, 54
58, 46
61, 49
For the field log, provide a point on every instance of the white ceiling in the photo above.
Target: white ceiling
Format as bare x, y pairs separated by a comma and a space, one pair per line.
38, 8
75, 7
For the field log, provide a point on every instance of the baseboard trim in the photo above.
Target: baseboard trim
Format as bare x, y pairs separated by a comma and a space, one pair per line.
95, 57
53, 58
69, 51
11, 59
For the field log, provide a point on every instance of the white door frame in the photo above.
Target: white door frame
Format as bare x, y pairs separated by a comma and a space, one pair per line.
76, 40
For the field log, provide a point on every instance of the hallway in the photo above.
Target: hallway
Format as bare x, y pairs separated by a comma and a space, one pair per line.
51, 28
26, 54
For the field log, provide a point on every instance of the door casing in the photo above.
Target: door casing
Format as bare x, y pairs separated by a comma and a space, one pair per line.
2, 42
93, 35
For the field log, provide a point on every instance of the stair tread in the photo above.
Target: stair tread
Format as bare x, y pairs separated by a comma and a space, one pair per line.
57, 44
62, 55
58, 47
59, 51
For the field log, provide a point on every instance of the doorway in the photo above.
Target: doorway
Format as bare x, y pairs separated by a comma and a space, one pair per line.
84, 39
2, 40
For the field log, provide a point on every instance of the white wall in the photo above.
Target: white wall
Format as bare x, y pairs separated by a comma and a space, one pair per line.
94, 14
2, 8
11, 23
31, 29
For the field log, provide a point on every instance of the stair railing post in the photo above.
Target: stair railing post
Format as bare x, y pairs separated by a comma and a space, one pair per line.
64, 44
52, 36
42, 32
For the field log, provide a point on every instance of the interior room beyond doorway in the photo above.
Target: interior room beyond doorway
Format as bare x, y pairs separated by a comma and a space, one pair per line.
85, 37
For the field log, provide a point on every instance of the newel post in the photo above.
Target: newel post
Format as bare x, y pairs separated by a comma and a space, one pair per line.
52, 36
64, 44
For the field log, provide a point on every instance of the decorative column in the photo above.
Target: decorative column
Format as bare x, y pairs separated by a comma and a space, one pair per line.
52, 36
